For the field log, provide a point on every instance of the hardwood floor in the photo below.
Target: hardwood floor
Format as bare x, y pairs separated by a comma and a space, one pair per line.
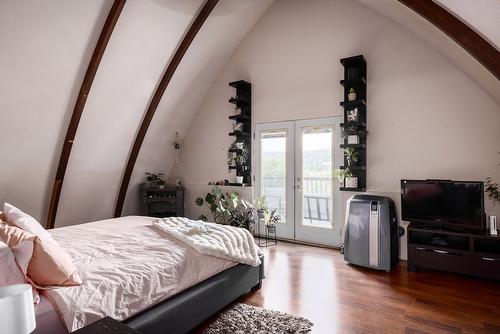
317, 284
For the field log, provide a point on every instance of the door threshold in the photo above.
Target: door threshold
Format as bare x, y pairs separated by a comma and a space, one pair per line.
300, 242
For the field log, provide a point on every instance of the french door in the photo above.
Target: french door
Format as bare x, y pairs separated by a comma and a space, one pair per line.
294, 172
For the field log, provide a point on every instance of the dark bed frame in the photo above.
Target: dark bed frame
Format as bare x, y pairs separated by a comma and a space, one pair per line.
189, 308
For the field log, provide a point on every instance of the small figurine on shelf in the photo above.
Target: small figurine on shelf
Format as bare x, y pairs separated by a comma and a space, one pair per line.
352, 95
353, 115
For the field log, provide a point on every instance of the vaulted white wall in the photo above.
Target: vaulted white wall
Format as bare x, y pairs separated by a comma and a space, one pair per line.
426, 117
46, 47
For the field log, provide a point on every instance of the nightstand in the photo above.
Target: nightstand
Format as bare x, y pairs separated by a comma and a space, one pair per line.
106, 326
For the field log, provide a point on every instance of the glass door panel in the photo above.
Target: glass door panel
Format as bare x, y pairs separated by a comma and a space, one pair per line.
275, 173
317, 200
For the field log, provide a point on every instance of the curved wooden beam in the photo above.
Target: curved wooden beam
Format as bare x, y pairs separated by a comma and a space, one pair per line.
158, 94
99, 49
461, 33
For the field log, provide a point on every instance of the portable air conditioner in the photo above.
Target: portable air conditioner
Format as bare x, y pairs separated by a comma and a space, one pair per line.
371, 234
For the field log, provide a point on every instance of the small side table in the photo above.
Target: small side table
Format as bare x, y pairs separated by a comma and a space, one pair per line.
270, 239
106, 326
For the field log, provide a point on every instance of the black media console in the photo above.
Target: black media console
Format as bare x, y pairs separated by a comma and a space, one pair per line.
470, 253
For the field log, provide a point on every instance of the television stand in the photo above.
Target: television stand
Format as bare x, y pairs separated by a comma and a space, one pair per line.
475, 253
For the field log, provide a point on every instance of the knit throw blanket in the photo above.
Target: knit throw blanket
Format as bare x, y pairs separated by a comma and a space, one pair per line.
223, 241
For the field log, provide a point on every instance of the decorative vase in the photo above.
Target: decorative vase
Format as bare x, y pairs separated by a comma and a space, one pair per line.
239, 179
353, 139
351, 96
351, 182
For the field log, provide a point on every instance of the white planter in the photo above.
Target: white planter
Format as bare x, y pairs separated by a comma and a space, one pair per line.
239, 179
351, 182
351, 96
239, 145
353, 139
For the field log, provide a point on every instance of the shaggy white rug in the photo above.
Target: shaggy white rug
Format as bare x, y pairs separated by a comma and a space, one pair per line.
243, 319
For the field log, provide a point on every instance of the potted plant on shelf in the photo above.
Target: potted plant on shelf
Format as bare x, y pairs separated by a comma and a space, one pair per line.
155, 180
351, 156
237, 158
353, 134
346, 178
352, 95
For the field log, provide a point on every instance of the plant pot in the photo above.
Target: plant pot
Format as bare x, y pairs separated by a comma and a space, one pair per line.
351, 182
271, 228
353, 139
351, 96
260, 214
237, 111
239, 179
239, 145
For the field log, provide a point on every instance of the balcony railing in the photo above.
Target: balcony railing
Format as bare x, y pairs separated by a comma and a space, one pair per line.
317, 197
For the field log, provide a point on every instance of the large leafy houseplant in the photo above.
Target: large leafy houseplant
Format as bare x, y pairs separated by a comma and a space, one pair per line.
219, 204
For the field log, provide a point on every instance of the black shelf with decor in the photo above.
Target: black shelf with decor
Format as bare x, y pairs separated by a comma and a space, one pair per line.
354, 128
242, 118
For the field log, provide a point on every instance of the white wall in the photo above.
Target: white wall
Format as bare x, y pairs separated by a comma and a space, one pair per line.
426, 118
45, 46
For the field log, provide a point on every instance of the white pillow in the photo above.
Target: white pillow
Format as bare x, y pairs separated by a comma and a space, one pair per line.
24, 221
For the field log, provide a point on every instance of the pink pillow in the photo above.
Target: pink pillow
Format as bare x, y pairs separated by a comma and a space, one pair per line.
11, 274
16, 217
49, 265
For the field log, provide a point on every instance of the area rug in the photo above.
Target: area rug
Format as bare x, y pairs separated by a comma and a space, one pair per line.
243, 319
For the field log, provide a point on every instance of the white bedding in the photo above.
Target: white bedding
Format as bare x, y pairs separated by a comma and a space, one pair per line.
126, 266
223, 241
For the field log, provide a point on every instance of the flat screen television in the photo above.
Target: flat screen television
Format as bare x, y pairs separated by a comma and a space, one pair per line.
443, 203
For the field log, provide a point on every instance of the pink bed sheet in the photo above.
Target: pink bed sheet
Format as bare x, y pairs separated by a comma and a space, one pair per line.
126, 266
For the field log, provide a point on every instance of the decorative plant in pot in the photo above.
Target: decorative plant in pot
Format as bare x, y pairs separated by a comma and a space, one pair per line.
346, 178
155, 180
493, 190
237, 158
351, 156
219, 204
353, 134
243, 216
271, 219
352, 95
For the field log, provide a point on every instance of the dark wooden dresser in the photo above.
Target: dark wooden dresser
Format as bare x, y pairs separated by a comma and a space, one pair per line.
166, 202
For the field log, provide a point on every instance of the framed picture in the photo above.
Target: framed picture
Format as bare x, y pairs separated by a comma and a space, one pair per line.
353, 115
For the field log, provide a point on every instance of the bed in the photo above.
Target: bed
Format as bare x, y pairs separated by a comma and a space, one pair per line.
135, 274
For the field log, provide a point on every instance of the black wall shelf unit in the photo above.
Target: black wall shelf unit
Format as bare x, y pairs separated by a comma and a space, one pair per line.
243, 115
355, 117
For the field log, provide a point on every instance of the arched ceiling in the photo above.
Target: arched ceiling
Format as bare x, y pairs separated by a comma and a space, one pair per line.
419, 26
481, 15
